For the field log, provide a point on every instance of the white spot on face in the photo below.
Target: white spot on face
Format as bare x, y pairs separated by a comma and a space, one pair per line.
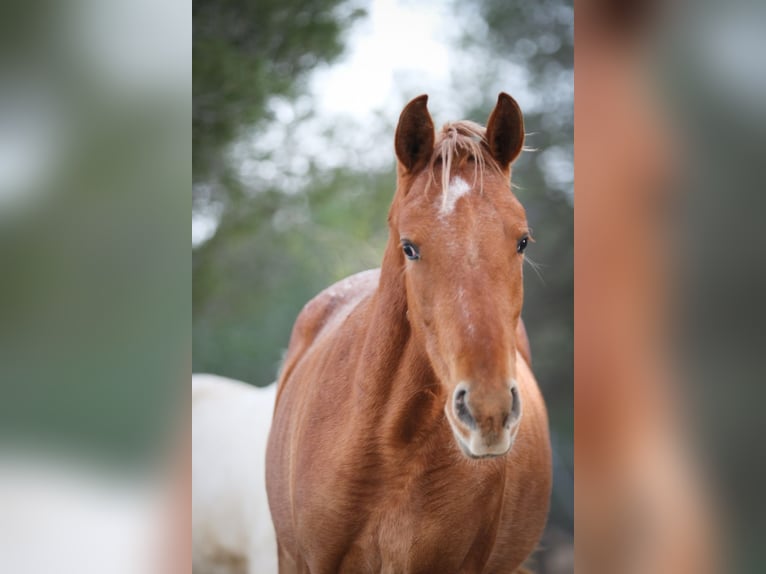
458, 187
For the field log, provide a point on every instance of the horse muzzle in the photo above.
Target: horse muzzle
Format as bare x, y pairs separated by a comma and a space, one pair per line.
485, 424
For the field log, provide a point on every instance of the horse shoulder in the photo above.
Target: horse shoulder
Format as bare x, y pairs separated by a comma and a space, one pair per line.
324, 312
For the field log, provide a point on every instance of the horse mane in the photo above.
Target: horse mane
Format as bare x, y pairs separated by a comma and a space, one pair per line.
458, 138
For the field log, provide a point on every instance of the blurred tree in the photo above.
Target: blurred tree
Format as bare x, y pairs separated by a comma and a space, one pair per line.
253, 276
245, 52
539, 36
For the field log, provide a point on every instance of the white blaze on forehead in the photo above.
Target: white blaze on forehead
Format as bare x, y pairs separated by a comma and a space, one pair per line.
458, 187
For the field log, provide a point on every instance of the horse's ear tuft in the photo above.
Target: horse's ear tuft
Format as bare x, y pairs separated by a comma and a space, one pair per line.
414, 140
505, 130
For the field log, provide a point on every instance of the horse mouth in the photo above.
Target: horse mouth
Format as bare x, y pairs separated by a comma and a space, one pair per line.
465, 444
470, 454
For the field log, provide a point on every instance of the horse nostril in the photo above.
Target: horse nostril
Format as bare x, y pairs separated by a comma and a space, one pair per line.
461, 408
515, 402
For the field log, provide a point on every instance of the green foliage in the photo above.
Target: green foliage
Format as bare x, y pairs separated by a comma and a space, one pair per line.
245, 52
251, 278
538, 35
254, 276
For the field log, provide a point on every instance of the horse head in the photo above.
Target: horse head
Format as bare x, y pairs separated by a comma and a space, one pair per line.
460, 234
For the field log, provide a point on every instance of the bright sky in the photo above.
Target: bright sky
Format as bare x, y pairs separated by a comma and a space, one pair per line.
401, 50
396, 40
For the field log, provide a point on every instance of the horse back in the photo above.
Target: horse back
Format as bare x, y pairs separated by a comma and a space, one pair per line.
324, 313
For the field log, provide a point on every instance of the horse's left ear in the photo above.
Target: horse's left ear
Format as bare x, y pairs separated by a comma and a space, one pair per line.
414, 139
505, 130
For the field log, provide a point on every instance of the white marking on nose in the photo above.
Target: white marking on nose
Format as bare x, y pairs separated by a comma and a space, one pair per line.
458, 187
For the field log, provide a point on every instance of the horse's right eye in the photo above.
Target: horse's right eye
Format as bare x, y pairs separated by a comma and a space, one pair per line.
410, 251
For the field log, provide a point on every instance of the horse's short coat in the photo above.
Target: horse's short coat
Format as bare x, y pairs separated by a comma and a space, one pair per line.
371, 467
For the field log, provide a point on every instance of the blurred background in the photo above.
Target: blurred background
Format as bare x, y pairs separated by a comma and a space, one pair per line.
293, 172
95, 273
669, 313
713, 77
294, 110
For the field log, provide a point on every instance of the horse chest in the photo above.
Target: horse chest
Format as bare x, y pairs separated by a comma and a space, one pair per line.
431, 524
408, 541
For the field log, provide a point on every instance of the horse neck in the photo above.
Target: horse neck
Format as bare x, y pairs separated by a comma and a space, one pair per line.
397, 377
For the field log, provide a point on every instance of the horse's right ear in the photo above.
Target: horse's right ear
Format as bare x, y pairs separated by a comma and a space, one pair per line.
414, 140
505, 130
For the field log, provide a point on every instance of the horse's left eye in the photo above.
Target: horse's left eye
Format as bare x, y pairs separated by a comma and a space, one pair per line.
410, 251
522, 244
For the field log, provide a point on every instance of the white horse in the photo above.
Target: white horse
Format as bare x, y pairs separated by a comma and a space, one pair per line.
232, 532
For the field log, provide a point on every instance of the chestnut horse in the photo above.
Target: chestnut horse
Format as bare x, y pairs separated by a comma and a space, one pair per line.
409, 434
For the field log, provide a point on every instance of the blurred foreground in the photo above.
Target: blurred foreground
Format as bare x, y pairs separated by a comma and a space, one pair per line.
670, 140
95, 307
67, 514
